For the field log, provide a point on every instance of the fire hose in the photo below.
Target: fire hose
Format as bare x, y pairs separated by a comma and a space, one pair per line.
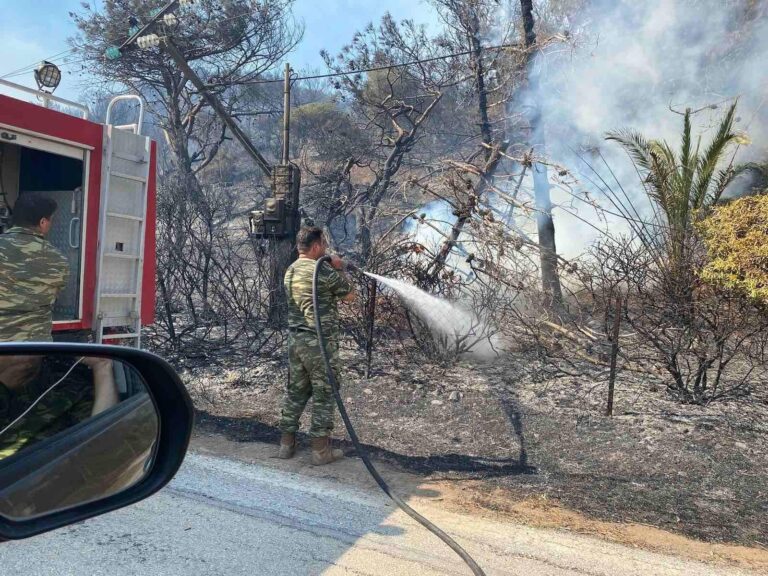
356, 441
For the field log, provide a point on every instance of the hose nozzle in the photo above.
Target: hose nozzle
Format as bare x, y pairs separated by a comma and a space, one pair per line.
349, 265
352, 266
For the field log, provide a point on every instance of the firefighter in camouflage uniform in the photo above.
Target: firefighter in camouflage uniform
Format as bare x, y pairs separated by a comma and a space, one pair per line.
32, 272
307, 370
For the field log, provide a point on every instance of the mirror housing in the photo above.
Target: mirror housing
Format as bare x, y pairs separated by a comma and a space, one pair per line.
175, 421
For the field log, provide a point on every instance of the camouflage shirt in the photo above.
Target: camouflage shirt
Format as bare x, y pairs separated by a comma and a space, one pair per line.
332, 286
69, 403
32, 272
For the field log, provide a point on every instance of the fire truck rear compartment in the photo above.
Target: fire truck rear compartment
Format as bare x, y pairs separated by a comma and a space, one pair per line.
27, 170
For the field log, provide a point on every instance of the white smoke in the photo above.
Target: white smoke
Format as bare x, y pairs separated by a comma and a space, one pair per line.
629, 63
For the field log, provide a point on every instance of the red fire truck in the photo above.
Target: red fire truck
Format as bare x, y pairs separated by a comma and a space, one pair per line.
103, 178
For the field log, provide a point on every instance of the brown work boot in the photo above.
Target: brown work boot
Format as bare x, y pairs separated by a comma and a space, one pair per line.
322, 453
287, 446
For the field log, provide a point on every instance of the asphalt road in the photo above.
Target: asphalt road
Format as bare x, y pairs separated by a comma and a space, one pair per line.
226, 517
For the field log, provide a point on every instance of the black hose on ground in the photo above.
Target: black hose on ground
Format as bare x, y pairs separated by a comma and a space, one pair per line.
356, 441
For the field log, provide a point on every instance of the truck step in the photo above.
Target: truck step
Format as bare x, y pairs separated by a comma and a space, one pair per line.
125, 216
119, 336
121, 255
129, 177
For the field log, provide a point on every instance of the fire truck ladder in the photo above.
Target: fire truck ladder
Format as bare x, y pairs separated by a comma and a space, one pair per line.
122, 231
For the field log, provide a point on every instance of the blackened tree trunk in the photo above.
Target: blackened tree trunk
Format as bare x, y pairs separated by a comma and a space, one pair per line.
467, 16
550, 278
476, 56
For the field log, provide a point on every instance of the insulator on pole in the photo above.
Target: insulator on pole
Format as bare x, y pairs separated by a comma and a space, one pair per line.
148, 41
113, 53
170, 20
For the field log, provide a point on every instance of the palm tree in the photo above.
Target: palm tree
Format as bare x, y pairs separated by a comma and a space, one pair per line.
686, 185
683, 187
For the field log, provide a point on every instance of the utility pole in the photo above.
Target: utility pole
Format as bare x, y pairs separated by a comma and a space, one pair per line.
287, 115
214, 103
285, 185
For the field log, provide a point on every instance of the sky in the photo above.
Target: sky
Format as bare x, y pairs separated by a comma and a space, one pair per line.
33, 30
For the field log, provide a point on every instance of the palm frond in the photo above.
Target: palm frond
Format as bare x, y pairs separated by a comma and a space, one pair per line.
688, 159
636, 146
649, 163
683, 186
724, 177
685, 152
707, 165
662, 175
661, 148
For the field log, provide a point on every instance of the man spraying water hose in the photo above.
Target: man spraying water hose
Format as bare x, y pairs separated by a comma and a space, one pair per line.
315, 283
308, 376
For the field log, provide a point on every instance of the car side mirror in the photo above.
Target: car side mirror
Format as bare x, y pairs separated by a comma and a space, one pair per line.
84, 429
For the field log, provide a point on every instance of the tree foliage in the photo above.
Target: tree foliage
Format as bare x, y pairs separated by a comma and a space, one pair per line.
228, 42
212, 283
736, 236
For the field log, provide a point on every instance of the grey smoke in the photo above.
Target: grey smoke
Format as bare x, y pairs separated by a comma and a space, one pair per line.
625, 64
629, 63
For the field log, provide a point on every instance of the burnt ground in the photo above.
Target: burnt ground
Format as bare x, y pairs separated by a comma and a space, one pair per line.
698, 471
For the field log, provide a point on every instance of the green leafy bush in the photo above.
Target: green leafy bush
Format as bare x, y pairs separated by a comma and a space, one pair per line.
736, 236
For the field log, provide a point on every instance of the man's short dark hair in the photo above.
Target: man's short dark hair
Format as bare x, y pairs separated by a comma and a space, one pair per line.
307, 236
31, 208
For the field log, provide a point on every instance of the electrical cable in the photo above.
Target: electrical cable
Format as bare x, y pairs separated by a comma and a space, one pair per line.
26, 69
65, 54
30, 67
35, 403
386, 67
356, 441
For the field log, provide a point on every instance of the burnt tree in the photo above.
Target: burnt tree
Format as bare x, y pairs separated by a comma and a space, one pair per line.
467, 19
550, 279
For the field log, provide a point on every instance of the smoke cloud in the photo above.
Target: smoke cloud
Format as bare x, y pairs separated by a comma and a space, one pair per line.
628, 63
633, 64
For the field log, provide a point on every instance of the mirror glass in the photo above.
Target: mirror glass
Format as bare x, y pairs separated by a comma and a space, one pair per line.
72, 430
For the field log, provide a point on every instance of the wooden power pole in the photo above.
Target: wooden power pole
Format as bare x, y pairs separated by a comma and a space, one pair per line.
286, 180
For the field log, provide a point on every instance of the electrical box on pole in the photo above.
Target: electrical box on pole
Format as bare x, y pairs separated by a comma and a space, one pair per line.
280, 217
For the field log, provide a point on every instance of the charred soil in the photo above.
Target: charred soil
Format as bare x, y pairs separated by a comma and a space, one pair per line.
527, 441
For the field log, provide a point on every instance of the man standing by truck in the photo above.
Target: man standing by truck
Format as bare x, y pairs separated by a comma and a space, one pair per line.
308, 376
32, 272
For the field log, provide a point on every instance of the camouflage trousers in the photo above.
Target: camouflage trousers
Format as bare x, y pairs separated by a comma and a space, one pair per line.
308, 378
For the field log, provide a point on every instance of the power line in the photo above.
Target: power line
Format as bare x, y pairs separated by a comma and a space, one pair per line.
299, 78
378, 68
352, 72
30, 67
66, 61
65, 53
